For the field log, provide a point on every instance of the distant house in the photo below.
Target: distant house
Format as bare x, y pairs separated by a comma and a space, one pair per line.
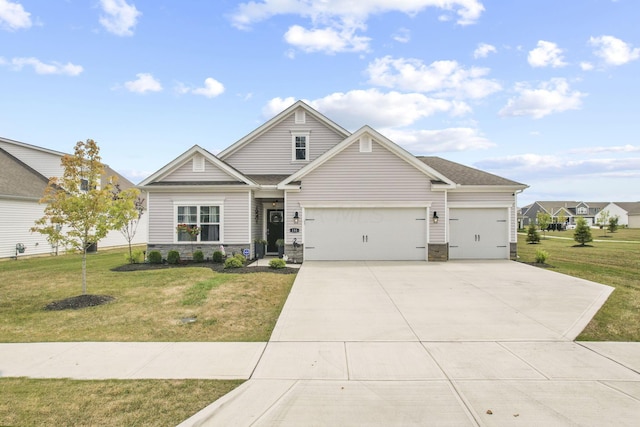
24, 174
328, 194
628, 213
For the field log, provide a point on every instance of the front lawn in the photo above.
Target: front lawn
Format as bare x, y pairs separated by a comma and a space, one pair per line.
613, 260
149, 305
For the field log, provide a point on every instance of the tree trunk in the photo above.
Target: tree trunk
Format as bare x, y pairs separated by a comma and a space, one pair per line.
84, 271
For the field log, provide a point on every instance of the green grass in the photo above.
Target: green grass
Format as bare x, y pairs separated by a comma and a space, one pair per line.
148, 307
63, 402
613, 261
148, 304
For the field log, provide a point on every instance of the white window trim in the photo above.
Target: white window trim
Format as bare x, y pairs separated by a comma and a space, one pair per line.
307, 135
219, 203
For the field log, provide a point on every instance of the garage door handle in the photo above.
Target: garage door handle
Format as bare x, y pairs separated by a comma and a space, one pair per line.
365, 238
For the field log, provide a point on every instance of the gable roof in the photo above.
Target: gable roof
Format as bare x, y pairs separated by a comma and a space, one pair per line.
279, 118
465, 175
632, 208
380, 139
180, 160
19, 180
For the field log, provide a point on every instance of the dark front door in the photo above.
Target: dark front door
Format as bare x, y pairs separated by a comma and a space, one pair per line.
275, 228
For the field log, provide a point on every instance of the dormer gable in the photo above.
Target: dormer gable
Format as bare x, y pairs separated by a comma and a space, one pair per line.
197, 166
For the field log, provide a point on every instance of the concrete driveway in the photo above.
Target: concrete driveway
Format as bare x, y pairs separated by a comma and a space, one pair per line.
456, 343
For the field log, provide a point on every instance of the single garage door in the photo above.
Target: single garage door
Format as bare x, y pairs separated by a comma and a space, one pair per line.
365, 234
478, 234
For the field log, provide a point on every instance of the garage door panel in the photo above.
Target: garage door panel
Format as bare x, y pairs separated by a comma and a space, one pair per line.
365, 234
478, 234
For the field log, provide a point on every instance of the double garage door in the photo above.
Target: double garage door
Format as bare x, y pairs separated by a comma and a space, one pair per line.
365, 234
478, 233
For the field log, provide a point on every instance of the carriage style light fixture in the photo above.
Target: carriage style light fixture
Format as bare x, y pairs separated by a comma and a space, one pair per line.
296, 218
435, 217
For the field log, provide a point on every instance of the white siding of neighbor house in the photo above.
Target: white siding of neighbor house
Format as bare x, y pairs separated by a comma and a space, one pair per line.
185, 173
18, 216
489, 199
376, 176
271, 152
623, 216
48, 164
235, 215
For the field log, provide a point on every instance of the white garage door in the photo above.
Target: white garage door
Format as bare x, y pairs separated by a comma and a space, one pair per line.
478, 234
365, 234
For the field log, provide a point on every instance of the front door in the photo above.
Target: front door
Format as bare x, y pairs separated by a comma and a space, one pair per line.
275, 228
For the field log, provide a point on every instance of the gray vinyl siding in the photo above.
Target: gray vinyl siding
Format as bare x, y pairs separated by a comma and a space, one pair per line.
48, 164
271, 152
185, 173
378, 176
235, 215
482, 199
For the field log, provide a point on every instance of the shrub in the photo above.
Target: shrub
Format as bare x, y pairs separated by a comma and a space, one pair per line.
240, 257
154, 257
277, 263
218, 256
233, 262
137, 257
198, 256
541, 256
173, 257
532, 234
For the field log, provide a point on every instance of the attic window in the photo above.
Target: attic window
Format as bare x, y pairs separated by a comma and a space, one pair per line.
198, 164
365, 144
300, 146
300, 117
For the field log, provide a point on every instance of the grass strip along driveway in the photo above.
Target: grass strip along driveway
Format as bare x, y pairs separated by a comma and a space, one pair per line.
613, 260
148, 306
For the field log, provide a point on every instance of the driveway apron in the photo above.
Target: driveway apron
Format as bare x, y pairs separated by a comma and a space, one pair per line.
415, 343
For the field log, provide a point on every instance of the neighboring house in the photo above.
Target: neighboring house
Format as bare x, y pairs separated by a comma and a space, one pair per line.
330, 195
24, 174
570, 210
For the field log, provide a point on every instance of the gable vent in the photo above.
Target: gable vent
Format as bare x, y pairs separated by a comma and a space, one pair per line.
198, 164
300, 117
365, 144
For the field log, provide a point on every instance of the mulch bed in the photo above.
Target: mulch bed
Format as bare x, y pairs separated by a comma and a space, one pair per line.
78, 302
538, 264
218, 267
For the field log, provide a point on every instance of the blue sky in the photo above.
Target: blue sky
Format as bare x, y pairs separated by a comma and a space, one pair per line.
544, 92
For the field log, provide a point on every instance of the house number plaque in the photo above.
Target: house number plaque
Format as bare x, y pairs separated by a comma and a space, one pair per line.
294, 230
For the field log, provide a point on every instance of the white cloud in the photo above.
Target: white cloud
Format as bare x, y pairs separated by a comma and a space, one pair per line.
143, 84
13, 16
550, 97
613, 50
403, 35
211, 89
328, 40
483, 50
335, 23
120, 17
444, 78
40, 67
356, 108
613, 149
439, 140
586, 66
545, 55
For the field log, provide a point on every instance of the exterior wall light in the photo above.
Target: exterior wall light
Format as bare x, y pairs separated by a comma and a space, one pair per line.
296, 218
435, 217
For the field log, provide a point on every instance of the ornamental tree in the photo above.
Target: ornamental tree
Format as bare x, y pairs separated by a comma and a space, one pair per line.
582, 233
79, 208
543, 219
127, 209
613, 223
603, 219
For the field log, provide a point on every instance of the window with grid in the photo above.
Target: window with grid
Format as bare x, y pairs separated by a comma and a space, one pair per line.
206, 218
301, 147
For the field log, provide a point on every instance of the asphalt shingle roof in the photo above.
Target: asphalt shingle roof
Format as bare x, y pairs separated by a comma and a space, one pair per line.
18, 179
464, 175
